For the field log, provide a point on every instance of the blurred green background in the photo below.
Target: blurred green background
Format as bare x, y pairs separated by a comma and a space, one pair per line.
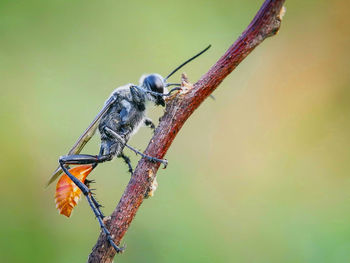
261, 174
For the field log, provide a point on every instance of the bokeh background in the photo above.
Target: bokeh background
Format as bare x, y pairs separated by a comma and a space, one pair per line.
261, 174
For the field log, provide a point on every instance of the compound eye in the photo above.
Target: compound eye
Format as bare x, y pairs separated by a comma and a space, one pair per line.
155, 83
158, 87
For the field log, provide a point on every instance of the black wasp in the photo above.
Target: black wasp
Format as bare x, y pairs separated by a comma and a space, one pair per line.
121, 116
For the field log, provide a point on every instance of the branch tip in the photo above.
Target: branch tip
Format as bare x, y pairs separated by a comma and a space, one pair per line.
186, 86
282, 13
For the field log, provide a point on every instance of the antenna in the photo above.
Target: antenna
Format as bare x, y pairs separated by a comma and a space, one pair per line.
183, 64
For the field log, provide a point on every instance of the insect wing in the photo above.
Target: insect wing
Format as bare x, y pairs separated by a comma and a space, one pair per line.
85, 137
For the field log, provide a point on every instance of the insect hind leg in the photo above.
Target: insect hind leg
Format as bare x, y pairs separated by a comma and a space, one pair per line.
77, 159
96, 204
93, 204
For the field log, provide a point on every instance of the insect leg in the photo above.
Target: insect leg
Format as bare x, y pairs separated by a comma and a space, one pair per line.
85, 159
150, 158
97, 205
127, 161
121, 140
93, 204
102, 225
85, 190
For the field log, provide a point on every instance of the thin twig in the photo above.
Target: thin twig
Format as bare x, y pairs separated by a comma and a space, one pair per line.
179, 107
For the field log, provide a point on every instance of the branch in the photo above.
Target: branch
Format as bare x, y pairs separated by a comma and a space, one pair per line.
179, 107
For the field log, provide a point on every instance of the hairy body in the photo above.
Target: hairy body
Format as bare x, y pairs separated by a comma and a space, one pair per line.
124, 117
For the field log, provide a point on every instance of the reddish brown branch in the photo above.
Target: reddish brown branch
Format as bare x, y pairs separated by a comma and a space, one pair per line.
266, 23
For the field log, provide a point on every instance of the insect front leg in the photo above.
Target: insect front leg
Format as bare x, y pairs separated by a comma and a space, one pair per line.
93, 204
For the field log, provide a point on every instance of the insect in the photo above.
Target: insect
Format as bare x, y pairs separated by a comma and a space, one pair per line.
121, 116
